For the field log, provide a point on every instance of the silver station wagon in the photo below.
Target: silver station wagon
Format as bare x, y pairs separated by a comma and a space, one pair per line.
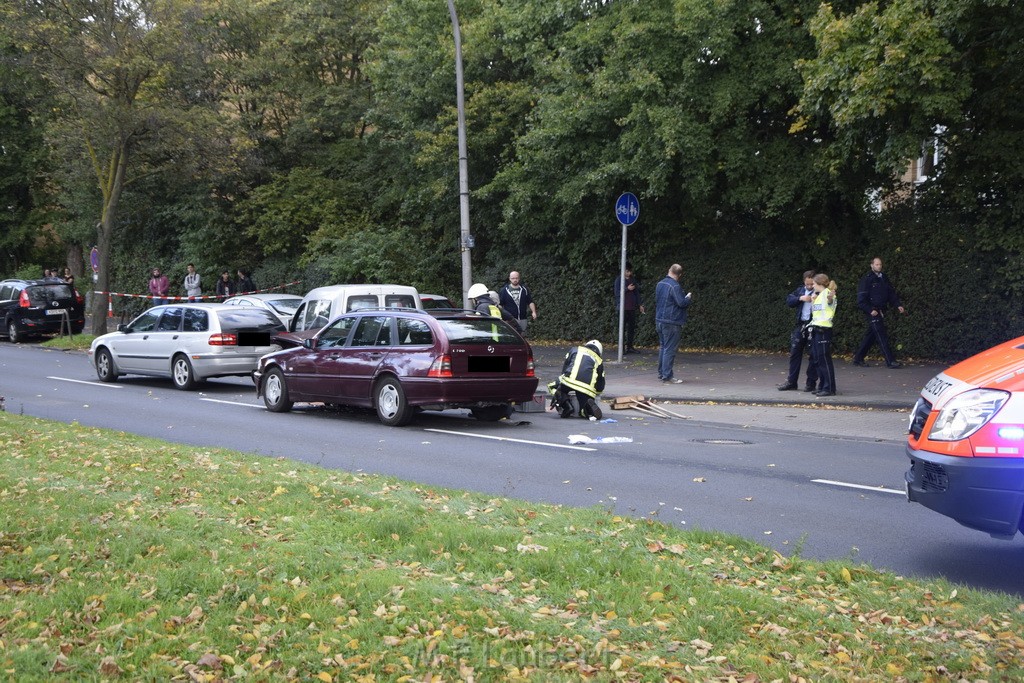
187, 342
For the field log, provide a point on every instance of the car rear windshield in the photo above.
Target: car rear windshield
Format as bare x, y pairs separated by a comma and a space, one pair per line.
256, 319
40, 295
478, 331
285, 305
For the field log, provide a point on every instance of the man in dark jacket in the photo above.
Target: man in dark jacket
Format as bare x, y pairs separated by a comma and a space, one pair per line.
670, 311
800, 299
582, 372
245, 283
633, 305
226, 286
874, 295
517, 300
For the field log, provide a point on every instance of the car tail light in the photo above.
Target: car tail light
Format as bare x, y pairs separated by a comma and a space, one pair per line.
23, 301
529, 366
78, 298
441, 367
223, 339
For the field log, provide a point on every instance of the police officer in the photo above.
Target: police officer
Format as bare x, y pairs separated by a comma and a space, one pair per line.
875, 294
801, 299
582, 372
823, 313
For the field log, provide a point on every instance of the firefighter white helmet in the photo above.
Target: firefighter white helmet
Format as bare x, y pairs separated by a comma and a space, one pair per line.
596, 345
476, 291
494, 296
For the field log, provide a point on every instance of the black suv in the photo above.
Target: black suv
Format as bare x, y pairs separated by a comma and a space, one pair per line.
34, 307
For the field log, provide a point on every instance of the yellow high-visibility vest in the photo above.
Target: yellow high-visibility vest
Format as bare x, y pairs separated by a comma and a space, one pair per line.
822, 312
583, 374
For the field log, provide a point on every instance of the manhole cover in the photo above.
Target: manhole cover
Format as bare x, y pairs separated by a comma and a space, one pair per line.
724, 442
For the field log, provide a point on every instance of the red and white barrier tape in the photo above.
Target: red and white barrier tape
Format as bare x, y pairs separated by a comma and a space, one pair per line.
191, 298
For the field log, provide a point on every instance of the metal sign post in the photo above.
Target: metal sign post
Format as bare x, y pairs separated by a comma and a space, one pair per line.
465, 239
627, 210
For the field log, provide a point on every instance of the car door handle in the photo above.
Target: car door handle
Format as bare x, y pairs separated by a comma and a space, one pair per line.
174, 337
376, 354
145, 336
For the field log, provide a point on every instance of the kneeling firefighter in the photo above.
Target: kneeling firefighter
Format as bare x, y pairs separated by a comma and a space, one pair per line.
582, 373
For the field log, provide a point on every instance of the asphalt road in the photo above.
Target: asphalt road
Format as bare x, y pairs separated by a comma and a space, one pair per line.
762, 473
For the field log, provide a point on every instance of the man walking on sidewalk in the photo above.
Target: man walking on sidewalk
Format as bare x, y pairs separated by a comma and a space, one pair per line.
799, 340
875, 294
670, 312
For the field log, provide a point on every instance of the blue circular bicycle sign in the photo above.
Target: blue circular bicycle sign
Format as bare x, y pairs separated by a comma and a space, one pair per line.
627, 208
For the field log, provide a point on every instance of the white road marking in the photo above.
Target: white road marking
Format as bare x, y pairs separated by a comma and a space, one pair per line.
503, 438
82, 381
878, 489
232, 403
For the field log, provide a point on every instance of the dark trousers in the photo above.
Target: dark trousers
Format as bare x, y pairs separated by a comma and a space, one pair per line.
876, 332
821, 352
629, 321
798, 344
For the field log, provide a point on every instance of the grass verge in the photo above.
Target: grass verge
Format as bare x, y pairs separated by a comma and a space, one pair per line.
79, 342
134, 559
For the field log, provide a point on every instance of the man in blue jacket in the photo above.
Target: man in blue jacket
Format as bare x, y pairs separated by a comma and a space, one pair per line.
800, 299
874, 295
670, 311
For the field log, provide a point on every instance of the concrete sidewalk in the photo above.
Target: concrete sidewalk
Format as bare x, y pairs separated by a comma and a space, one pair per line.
747, 378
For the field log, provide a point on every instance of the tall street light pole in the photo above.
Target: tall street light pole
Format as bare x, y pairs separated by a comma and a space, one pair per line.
465, 238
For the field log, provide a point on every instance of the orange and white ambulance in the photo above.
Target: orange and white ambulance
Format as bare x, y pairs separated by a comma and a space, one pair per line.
966, 442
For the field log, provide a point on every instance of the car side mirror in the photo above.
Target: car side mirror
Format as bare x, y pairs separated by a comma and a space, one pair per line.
309, 343
123, 327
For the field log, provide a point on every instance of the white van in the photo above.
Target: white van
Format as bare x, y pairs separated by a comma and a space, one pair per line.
323, 304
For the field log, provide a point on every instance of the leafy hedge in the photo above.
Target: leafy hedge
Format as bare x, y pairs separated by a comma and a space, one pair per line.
956, 304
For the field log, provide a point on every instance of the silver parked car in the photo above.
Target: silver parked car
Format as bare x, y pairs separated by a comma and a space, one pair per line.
187, 342
281, 305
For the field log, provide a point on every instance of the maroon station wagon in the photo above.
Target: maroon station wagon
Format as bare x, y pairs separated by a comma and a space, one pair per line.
402, 360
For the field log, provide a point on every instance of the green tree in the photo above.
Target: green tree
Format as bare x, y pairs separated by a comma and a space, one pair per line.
127, 80
889, 80
26, 236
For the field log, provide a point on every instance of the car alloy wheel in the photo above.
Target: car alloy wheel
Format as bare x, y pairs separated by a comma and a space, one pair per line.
182, 373
12, 332
105, 366
275, 392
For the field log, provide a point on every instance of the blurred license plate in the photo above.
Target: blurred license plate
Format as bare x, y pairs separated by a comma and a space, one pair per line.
254, 339
55, 311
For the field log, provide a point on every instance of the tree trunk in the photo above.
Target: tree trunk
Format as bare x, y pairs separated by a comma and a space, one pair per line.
76, 262
104, 239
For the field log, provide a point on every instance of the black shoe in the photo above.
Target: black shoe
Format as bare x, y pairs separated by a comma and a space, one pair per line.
861, 364
809, 388
895, 365
788, 386
631, 349
824, 393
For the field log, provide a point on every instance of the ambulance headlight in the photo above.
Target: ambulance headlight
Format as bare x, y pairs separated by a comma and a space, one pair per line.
966, 414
